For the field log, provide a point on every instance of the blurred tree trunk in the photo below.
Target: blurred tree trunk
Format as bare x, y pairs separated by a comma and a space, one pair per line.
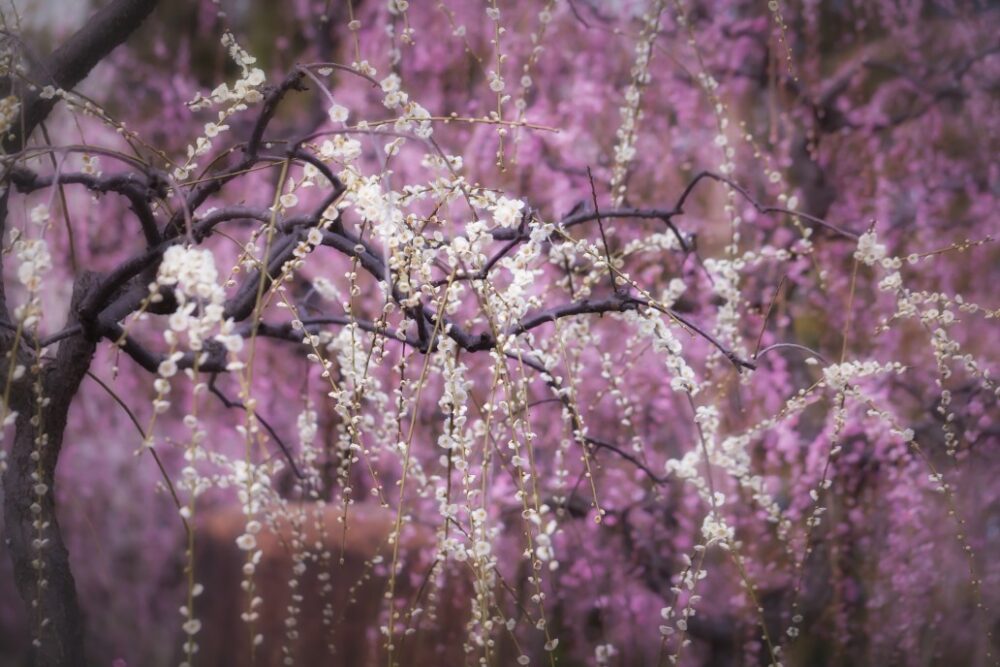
42, 572
42, 396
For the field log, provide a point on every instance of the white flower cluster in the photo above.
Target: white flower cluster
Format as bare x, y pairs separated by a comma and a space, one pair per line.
686, 580
192, 271
513, 302
244, 92
892, 282
838, 376
10, 108
479, 549
253, 485
675, 288
936, 312
308, 430
91, 165
869, 251
365, 194
327, 290
454, 398
417, 119
469, 248
658, 242
313, 239
687, 468
338, 113
248, 540
394, 96
733, 456
625, 148
603, 653
507, 212
349, 348
707, 417
398, 6
34, 261
39, 215
664, 341
191, 627
717, 531
341, 149
414, 116
544, 549
726, 284
200, 299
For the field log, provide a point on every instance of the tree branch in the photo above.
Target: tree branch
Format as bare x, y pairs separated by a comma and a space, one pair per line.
71, 63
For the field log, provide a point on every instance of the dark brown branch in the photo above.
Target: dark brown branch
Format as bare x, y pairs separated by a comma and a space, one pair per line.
71, 63
287, 332
213, 357
795, 346
200, 193
604, 237
760, 208
242, 305
614, 304
134, 188
600, 444
311, 325
114, 285
212, 387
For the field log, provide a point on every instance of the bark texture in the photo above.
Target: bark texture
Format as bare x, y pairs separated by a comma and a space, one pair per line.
42, 574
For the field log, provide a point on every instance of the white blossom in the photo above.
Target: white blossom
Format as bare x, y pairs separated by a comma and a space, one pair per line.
507, 212
338, 113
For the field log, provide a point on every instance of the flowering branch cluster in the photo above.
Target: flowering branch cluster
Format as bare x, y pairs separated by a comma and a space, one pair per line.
718, 381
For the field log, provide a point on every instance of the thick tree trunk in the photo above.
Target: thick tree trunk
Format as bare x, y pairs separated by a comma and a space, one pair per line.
42, 573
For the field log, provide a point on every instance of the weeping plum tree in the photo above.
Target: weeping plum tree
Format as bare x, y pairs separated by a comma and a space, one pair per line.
667, 324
